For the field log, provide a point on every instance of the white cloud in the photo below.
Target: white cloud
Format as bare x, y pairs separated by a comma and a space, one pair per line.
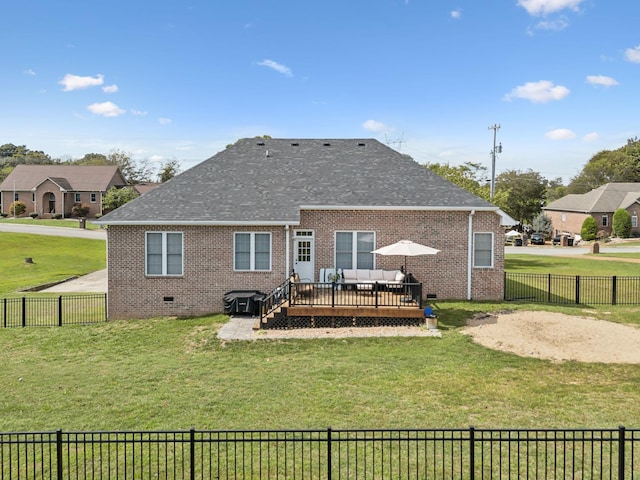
106, 109
591, 137
156, 158
164, 121
30, 72
544, 7
74, 82
110, 89
375, 126
138, 113
278, 67
560, 134
457, 13
633, 54
538, 92
601, 80
556, 24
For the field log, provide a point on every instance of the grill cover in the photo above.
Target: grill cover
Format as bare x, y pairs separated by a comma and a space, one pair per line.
243, 302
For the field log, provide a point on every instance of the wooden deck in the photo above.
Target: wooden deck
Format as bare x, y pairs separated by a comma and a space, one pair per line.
324, 306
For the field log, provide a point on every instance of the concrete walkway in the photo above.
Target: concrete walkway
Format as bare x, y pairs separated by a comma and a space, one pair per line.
95, 282
237, 328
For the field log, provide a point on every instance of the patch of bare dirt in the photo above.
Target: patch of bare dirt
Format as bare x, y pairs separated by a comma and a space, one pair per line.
556, 336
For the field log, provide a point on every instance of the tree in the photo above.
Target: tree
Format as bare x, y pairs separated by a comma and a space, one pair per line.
116, 197
525, 193
542, 223
169, 170
621, 225
621, 165
470, 176
589, 230
79, 210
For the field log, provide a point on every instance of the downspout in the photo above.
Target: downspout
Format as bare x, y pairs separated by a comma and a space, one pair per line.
287, 250
470, 254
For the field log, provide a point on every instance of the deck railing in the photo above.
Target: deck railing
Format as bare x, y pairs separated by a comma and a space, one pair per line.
332, 294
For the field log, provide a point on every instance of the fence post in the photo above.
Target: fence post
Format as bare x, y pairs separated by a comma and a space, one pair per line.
5, 313
24, 311
328, 453
548, 288
60, 311
614, 289
472, 453
621, 442
59, 456
577, 289
192, 453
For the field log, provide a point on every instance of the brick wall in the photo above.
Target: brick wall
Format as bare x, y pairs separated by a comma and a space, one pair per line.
208, 259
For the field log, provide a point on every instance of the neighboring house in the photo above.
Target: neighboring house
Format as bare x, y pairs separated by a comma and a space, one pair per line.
142, 188
248, 216
568, 213
54, 189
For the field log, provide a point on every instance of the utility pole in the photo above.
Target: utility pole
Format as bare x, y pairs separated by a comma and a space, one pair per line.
495, 151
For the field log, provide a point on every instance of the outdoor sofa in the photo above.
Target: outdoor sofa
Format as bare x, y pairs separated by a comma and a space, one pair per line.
366, 279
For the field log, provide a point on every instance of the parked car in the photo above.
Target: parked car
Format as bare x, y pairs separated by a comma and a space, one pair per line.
556, 240
537, 239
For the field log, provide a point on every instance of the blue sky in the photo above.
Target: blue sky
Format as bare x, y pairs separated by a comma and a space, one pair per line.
182, 79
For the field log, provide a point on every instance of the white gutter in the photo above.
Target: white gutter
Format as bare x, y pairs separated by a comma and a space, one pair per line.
422, 208
470, 254
186, 223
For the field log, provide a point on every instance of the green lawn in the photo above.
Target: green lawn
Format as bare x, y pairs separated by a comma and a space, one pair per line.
175, 374
54, 258
63, 222
524, 263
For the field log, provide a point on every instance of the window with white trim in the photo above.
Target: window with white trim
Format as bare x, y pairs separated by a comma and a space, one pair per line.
164, 253
605, 220
483, 250
353, 250
77, 198
252, 251
634, 221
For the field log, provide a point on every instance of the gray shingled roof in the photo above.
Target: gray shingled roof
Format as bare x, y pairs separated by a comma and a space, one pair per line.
83, 178
269, 180
606, 198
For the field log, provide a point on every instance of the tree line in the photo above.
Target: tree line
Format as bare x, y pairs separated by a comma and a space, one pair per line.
522, 194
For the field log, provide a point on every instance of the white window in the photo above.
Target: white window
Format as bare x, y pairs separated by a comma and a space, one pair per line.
353, 250
252, 251
634, 221
93, 197
483, 250
164, 253
77, 199
605, 220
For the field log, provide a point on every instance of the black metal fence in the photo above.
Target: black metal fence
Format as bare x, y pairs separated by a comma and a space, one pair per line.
53, 311
575, 289
323, 454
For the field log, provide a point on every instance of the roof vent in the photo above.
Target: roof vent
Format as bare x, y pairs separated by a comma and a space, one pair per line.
295, 144
260, 144
361, 144
266, 153
326, 144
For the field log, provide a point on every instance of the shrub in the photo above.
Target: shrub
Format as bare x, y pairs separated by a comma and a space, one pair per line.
589, 230
621, 225
57, 216
17, 208
4, 214
33, 214
79, 210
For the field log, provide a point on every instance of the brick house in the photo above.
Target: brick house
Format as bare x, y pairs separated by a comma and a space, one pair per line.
55, 189
568, 213
248, 216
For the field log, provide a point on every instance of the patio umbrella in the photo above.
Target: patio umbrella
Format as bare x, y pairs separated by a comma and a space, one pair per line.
512, 233
406, 248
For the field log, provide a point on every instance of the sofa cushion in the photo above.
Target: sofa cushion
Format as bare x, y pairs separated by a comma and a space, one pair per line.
349, 275
362, 275
376, 275
389, 275
399, 277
